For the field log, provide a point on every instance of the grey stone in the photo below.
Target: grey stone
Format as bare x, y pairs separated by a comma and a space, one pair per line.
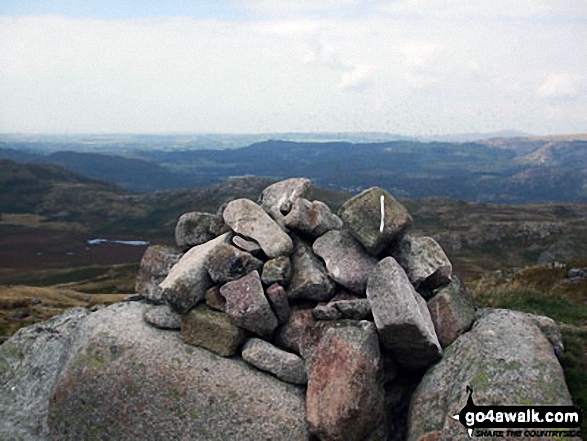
401, 316
147, 286
228, 263
346, 260
30, 364
247, 305
125, 380
194, 229
309, 279
187, 282
506, 360
278, 198
155, 265
300, 334
452, 310
357, 309
248, 219
284, 365
345, 399
215, 300
362, 216
250, 246
424, 262
279, 303
276, 270
212, 330
311, 219
162, 317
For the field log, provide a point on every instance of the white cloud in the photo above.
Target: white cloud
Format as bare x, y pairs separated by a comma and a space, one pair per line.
558, 85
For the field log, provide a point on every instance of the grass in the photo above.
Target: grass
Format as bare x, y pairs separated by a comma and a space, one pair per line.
545, 290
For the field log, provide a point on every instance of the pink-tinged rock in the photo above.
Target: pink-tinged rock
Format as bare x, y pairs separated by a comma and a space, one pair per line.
229, 263
345, 397
247, 305
311, 219
308, 279
187, 282
357, 309
401, 316
278, 198
248, 219
346, 260
215, 300
452, 310
279, 303
300, 334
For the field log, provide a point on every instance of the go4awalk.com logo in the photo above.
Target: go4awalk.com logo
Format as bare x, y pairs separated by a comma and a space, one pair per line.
520, 421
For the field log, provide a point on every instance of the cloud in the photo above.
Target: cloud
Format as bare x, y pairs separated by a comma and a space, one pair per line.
558, 85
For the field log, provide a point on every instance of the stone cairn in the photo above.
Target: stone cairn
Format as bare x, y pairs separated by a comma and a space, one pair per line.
341, 304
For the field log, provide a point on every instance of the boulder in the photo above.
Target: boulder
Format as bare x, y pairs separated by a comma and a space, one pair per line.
276, 270
357, 309
284, 365
345, 398
187, 282
401, 316
155, 265
346, 260
309, 279
247, 305
279, 303
311, 219
212, 330
194, 229
30, 364
228, 263
365, 214
162, 317
452, 310
248, 219
250, 246
300, 333
505, 358
424, 262
126, 380
278, 198
215, 300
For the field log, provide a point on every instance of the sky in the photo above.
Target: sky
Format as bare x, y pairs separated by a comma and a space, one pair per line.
412, 67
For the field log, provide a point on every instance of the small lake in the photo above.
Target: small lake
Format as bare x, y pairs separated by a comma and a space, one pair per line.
118, 242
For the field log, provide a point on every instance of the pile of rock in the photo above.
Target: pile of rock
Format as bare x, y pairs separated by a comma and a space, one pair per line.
340, 302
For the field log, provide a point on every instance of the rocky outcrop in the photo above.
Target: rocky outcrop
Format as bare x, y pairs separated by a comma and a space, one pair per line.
500, 367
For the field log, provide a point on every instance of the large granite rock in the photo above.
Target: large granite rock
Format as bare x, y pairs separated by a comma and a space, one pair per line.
194, 229
346, 260
425, 263
401, 316
284, 365
278, 198
248, 219
155, 265
187, 282
126, 380
505, 358
247, 305
30, 364
365, 213
228, 263
452, 310
162, 317
345, 398
308, 279
311, 219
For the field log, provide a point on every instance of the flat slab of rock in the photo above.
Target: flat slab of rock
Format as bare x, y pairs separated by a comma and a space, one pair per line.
187, 282
228, 263
194, 229
247, 218
212, 330
247, 305
278, 198
284, 365
125, 380
452, 310
425, 263
364, 216
401, 316
356, 309
311, 219
162, 317
345, 398
308, 279
346, 260
505, 358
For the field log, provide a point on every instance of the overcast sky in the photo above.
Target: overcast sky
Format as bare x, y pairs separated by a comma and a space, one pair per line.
415, 67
